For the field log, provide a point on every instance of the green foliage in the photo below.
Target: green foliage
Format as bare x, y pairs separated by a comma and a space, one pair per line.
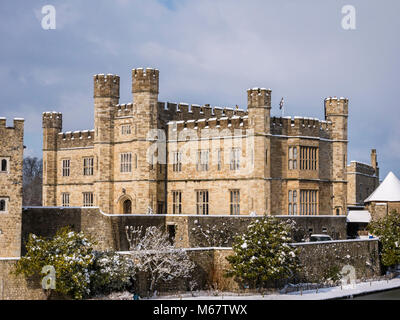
333, 274
80, 271
388, 231
111, 272
70, 253
263, 253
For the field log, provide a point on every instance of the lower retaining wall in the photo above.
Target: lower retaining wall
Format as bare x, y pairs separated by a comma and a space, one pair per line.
17, 287
317, 260
320, 258
187, 230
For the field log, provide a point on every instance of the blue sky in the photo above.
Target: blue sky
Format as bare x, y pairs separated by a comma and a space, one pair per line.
207, 51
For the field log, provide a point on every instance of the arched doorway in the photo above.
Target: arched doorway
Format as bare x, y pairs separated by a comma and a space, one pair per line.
127, 206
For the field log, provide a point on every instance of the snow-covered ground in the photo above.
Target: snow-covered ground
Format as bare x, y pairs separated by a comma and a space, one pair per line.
323, 294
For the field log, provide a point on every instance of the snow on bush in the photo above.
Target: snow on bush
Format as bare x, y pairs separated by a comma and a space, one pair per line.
214, 235
80, 271
263, 253
388, 231
153, 254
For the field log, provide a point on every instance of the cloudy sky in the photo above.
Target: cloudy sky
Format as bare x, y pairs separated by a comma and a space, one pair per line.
207, 51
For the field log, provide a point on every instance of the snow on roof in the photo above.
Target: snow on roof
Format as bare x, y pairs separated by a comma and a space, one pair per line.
360, 216
388, 190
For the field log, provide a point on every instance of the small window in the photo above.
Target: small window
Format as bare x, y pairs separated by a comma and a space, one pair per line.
235, 159
324, 230
202, 202
126, 129
235, 202
66, 167
88, 199
202, 160
65, 199
88, 166
126, 162
3, 205
3, 165
176, 202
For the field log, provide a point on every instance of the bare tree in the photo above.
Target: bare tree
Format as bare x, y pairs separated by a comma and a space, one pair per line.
152, 253
32, 181
214, 235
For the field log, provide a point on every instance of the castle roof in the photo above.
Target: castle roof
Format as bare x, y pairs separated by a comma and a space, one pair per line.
388, 190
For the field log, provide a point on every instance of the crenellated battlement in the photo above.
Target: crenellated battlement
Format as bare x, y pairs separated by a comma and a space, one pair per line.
259, 97
223, 123
52, 120
106, 86
336, 106
18, 124
183, 111
75, 139
123, 110
301, 126
145, 80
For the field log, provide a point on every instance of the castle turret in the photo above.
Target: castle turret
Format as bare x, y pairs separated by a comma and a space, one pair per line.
106, 97
259, 108
145, 88
11, 160
259, 112
336, 111
52, 125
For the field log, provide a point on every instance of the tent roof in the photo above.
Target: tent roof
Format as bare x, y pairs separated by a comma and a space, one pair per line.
388, 190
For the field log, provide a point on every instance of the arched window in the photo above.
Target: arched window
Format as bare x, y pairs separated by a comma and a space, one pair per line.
4, 165
2, 205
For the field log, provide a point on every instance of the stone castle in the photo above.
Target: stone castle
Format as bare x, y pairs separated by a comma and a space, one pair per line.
11, 158
150, 156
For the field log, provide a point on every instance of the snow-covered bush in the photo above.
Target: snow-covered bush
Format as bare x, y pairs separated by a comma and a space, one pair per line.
153, 254
112, 272
71, 255
388, 231
263, 253
79, 270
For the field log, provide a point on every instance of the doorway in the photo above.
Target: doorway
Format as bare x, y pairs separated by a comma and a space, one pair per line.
127, 206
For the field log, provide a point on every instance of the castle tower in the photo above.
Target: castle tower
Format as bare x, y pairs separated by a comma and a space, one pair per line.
52, 125
374, 164
259, 111
106, 97
145, 88
11, 159
336, 111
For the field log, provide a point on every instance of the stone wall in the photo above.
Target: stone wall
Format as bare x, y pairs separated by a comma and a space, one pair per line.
317, 260
17, 287
109, 230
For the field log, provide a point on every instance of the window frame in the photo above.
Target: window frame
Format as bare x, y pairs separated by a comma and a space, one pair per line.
202, 202
88, 168
234, 203
7, 160
6, 205
176, 202
86, 203
66, 167
65, 199
125, 162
